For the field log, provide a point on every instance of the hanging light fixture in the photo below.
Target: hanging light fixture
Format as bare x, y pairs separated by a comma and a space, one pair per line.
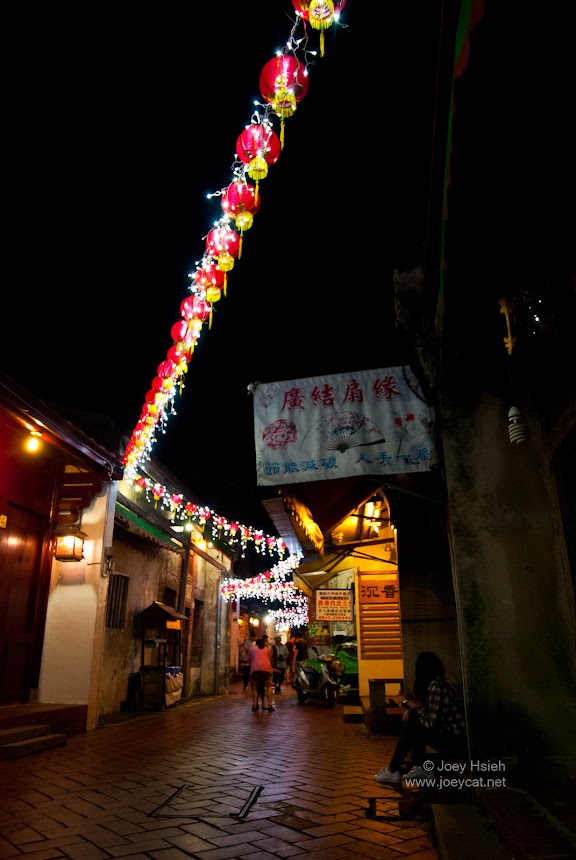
69, 543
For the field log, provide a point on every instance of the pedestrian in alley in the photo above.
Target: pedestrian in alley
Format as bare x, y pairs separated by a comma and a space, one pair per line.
244, 661
434, 717
291, 659
300, 649
279, 660
261, 673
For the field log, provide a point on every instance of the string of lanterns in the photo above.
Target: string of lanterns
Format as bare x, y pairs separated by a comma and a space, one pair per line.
222, 529
271, 586
283, 83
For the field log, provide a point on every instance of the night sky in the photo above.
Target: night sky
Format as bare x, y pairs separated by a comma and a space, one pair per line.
122, 121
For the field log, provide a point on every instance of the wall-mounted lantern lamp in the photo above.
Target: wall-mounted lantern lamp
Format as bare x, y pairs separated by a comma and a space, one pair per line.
33, 441
69, 543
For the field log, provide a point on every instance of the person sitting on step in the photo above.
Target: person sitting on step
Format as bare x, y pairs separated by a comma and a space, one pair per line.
434, 718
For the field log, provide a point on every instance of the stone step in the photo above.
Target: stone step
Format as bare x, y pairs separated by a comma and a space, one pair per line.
352, 714
22, 733
463, 831
31, 745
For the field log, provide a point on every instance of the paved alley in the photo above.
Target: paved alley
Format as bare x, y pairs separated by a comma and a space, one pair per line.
212, 780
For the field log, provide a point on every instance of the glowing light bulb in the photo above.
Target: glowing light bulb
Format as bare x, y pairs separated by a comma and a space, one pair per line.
33, 442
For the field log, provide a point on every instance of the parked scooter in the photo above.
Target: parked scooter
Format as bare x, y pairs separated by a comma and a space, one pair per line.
318, 679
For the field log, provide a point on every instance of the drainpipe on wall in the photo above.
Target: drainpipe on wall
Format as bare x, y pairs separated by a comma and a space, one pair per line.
222, 618
181, 605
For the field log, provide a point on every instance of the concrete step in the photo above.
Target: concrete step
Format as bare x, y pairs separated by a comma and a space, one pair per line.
352, 714
462, 831
22, 733
38, 743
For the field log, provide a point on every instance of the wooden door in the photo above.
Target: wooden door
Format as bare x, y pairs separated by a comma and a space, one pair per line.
24, 582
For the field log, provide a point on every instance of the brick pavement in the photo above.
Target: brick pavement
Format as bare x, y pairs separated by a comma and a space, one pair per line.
212, 780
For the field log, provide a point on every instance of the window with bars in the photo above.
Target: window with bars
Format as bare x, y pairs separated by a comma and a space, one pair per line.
116, 604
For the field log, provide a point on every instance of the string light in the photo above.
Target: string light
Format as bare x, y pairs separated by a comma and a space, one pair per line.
157, 410
231, 532
271, 586
160, 400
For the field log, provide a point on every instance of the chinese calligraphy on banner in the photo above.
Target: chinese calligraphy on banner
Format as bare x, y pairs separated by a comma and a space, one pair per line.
334, 604
373, 422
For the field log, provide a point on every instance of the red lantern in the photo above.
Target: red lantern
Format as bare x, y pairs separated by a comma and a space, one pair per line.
185, 333
158, 384
179, 330
175, 501
166, 369
283, 83
223, 243
204, 515
258, 146
195, 307
147, 419
180, 354
210, 279
320, 14
153, 397
158, 491
241, 203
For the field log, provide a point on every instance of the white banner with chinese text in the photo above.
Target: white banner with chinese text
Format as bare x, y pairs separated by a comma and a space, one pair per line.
372, 422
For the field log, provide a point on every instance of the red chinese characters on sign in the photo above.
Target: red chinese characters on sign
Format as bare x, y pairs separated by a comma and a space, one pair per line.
334, 604
381, 389
354, 393
322, 396
386, 388
379, 590
293, 399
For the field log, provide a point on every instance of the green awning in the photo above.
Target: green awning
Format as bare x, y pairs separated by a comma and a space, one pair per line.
140, 526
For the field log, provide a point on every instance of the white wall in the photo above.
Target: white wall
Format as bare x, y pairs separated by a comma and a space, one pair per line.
73, 634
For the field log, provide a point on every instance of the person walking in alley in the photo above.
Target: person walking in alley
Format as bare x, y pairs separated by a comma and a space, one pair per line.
279, 660
434, 718
244, 661
290, 660
300, 649
261, 672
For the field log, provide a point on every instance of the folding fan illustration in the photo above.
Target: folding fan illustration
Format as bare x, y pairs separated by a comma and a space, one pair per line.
344, 430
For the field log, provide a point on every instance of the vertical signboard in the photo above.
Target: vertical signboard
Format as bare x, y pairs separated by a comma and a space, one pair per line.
379, 616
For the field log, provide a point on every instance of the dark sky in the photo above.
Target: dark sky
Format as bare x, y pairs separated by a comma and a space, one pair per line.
121, 122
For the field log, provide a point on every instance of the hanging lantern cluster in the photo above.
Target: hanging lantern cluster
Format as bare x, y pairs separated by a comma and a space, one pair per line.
219, 528
283, 83
270, 586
